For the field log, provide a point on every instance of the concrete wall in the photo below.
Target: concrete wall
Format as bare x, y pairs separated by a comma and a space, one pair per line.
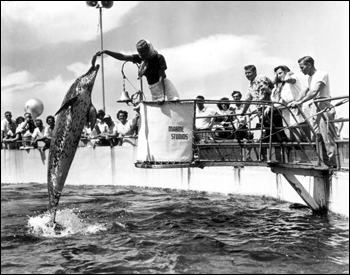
115, 166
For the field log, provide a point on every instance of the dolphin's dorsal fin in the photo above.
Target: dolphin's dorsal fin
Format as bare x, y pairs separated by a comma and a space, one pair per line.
91, 116
68, 103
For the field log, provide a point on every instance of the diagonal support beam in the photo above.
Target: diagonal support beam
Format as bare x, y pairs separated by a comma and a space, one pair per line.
319, 202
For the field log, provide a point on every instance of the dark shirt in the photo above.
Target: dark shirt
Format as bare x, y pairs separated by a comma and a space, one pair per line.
155, 64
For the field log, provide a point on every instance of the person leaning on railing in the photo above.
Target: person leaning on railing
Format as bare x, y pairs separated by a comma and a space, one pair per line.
8, 127
287, 88
204, 118
39, 133
224, 123
318, 88
50, 120
240, 121
125, 127
265, 87
110, 134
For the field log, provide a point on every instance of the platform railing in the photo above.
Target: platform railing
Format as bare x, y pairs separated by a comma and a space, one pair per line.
307, 138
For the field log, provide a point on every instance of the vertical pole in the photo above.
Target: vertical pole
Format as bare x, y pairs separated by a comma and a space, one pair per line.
103, 82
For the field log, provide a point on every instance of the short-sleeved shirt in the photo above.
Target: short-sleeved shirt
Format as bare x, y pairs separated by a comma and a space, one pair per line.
26, 129
238, 111
205, 122
37, 133
126, 129
155, 64
48, 132
320, 76
253, 92
5, 125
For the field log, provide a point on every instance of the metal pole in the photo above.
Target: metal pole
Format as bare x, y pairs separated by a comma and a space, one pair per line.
103, 82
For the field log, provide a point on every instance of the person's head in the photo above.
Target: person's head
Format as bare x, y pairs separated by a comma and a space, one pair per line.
39, 123
200, 102
107, 119
264, 83
122, 116
50, 120
19, 120
144, 48
100, 114
307, 65
250, 72
28, 116
8, 116
223, 106
236, 95
281, 72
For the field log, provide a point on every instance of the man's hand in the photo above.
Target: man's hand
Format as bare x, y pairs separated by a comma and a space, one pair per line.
294, 104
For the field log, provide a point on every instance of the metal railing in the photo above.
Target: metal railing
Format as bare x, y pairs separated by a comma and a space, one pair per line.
307, 139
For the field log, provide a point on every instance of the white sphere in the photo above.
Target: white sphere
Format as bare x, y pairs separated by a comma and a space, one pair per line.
34, 106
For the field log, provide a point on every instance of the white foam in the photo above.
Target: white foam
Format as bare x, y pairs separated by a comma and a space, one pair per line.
39, 225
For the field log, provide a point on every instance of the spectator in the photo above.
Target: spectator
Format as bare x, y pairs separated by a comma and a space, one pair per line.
206, 122
10, 139
26, 129
319, 88
50, 120
89, 137
7, 124
287, 89
14, 136
205, 117
253, 93
39, 133
265, 87
109, 137
100, 125
240, 121
224, 123
152, 66
125, 127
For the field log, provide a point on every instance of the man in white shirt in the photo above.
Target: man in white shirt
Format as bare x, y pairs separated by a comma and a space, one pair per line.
39, 133
6, 125
203, 119
318, 88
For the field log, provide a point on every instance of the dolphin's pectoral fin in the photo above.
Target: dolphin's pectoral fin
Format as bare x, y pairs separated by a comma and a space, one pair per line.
92, 115
68, 103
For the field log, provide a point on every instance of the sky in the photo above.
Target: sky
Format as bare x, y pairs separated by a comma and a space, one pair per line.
46, 45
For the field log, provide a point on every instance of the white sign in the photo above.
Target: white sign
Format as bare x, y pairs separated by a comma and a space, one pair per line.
166, 132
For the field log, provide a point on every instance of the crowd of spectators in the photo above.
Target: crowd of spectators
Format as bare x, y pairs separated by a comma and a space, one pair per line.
289, 98
26, 133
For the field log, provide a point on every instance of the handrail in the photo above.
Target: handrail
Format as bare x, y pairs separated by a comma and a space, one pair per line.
278, 107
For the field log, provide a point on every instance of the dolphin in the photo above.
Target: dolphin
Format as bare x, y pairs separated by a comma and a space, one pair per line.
75, 111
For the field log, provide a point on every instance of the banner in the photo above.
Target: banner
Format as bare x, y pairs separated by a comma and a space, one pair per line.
166, 132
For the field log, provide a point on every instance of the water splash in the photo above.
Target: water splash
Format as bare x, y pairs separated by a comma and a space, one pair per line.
72, 224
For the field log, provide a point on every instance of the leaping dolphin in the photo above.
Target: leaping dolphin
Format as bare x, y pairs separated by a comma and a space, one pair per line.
75, 111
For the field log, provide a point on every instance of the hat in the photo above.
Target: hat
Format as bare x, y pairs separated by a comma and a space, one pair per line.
106, 117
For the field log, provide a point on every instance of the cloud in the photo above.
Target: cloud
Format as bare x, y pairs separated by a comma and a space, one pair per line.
17, 81
56, 21
215, 54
